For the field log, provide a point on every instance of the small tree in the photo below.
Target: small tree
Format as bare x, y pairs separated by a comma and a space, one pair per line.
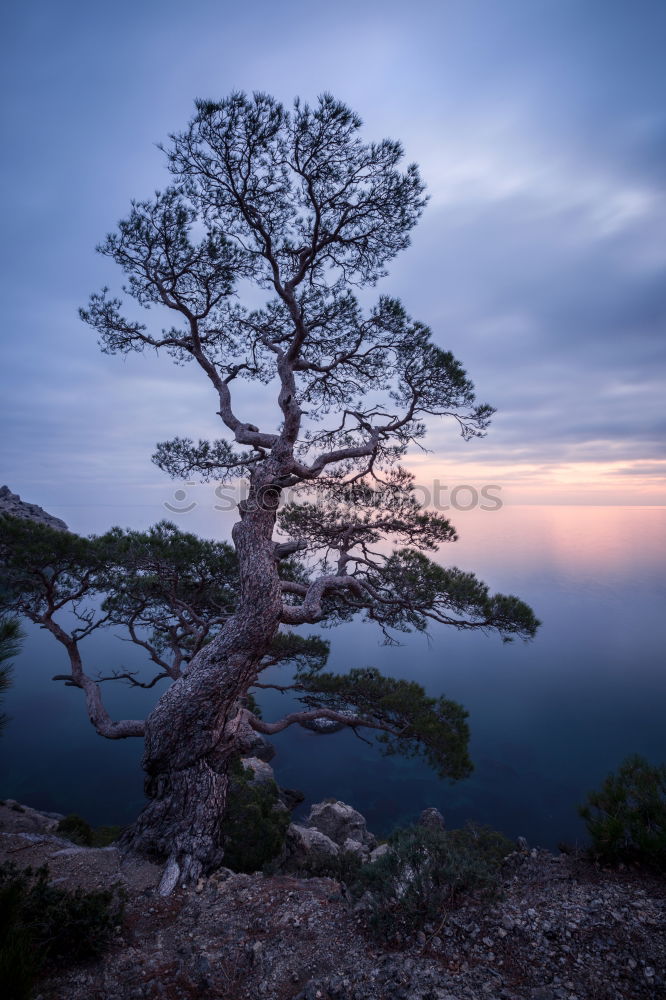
10, 644
298, 204
626, 818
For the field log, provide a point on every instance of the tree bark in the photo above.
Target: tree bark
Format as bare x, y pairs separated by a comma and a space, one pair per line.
198, 726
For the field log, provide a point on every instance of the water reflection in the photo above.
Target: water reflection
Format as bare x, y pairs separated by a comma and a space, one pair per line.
549, 719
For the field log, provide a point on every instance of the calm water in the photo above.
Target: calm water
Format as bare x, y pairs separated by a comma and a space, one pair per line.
549, 719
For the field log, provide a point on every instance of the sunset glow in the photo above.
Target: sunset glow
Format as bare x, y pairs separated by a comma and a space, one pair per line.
596, 483
539, 260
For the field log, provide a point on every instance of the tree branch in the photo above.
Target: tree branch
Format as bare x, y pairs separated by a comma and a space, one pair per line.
97, 713
298, 718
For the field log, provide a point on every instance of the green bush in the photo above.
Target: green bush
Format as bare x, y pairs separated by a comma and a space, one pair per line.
486, 846
103, 836
427, 871
255, 823
626, 819
76, 829
43, 924
79, 831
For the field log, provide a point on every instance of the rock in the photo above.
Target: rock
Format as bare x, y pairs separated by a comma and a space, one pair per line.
308, 849
432, 819
311, 992
522, 844
291, 797
378, 853
365, 904
18, 817
354, 847
336, 987
220, 875
340, 823
11, 503
262, 773
258, 746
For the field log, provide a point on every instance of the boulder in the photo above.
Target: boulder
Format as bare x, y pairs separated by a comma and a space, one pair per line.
291, 797
308, 850
355, 847
340, 823
258, 746
378, 853
262, 773
432, 819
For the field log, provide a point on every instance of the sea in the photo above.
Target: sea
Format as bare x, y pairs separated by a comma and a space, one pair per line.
549, 718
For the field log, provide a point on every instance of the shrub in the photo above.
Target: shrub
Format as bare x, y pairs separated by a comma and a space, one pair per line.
18, 962
43, 924
626, 819
79, 831
427, 870
255, 823
487, 846
102, 836
76, 829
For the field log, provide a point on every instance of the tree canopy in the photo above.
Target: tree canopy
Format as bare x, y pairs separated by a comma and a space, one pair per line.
298, 203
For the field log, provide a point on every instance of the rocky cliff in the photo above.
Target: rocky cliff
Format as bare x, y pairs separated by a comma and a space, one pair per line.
11, 503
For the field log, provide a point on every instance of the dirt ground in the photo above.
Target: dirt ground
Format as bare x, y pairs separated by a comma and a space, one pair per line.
562, 929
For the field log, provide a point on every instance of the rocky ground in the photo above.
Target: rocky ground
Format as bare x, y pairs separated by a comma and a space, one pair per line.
561, 929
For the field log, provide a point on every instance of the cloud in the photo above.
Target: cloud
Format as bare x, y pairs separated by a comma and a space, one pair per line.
540, 261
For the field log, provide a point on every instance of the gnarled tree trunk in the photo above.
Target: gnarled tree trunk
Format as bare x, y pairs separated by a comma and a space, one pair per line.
197, 728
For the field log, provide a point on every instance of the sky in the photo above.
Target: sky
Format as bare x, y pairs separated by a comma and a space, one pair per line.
540, 129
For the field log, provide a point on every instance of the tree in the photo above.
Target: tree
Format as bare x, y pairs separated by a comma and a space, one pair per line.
298, 204
10, 644
626, 818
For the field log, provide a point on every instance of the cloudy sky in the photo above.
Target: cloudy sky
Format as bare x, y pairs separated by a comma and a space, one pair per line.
540, 128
